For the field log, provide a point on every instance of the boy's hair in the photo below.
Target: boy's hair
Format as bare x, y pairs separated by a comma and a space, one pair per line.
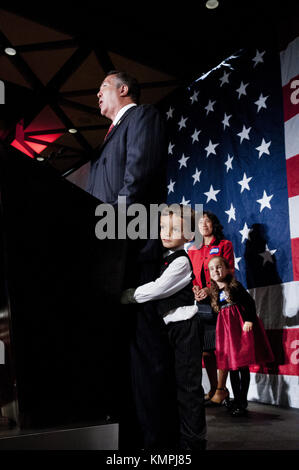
231, 285
185, 212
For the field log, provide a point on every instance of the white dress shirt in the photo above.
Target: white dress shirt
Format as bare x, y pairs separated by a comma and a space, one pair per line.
176, 276
121, 112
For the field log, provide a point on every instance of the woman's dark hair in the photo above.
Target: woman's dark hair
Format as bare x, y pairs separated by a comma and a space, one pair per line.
131, 82
217, 227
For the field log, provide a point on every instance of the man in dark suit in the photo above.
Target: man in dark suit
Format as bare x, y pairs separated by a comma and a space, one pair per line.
131, 162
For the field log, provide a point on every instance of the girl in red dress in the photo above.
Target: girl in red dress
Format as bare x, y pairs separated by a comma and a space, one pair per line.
241, 339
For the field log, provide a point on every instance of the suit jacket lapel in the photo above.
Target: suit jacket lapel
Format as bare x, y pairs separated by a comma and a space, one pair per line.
124, 116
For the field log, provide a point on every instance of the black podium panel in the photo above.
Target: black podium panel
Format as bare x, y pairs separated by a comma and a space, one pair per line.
63, 285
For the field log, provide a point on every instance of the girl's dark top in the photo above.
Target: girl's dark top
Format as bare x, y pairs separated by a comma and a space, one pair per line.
239, 295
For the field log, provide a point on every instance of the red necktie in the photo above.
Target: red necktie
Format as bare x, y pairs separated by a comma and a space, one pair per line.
109, 130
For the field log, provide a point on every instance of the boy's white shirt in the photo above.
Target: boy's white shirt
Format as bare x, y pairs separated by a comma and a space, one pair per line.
177, 275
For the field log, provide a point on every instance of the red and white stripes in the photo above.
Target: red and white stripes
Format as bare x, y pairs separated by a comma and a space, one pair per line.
289, 60
278, 306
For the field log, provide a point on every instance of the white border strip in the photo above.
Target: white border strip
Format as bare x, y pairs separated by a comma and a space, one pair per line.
278, 305
280, 390
294, 211
291, 132
289, 60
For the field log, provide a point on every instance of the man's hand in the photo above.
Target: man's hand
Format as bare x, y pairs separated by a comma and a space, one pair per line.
127, 296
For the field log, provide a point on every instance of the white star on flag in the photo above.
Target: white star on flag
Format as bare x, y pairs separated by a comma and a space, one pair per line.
169, 113
210, 106
224, 78
245, 232
244, 182
237, 261
183, 161
225, 121
231, 213
211, 148
263, 148
171, 186
228, 163
265, 201
182, 122
194, 97
184, 201
237, 138
194, 136
170, 147
258, 57
242, 89
267, 255
196, 176
211, 194
244, 134
261, 102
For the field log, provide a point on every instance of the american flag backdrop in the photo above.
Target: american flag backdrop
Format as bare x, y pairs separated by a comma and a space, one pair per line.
234, 147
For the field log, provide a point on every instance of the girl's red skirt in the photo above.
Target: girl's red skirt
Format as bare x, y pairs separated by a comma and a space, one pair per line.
236, 348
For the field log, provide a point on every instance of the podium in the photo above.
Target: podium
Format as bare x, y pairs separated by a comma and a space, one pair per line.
59, 290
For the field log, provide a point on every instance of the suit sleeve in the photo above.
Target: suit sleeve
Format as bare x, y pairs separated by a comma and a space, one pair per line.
145, 154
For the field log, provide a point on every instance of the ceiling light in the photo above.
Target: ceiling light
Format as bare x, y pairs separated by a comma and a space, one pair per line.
73, 131
211, 4
40, 159
10, 51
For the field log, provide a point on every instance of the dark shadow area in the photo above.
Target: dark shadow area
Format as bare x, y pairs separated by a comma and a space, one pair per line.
261, 267
63, 286
7, 377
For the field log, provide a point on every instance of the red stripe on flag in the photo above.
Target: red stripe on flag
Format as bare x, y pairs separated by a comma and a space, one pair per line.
291, 98
295, 257
285, 347
292, 175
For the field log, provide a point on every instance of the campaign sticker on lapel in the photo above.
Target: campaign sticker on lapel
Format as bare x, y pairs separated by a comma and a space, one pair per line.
214, 251
222, 296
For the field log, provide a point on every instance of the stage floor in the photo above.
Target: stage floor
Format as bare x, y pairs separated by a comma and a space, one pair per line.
266, 427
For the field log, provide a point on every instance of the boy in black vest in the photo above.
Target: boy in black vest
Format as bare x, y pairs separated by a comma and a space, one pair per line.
172, 291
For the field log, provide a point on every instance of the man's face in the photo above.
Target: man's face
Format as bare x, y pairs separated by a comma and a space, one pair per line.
109, 97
